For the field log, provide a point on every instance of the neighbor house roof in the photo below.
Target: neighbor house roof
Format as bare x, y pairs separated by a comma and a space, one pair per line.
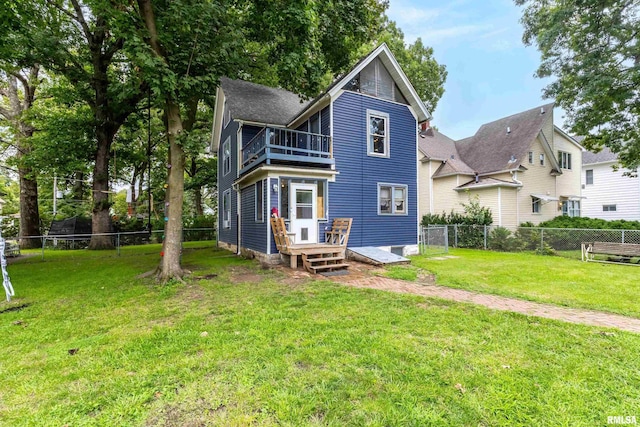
487, 182
603, 156
502, 144
252, 102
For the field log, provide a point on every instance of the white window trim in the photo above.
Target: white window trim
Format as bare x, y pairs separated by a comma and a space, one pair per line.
564, 158
259, 208
393, 205
226, 224
224, 160
385, 116
586, 177
608, 208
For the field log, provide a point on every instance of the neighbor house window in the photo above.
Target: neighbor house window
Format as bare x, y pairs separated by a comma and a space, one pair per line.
535, 205
260, 201
226, 118
377, 134
589, 178
609, 208
226, 209
226, 156
564, 159
571, 208
541, 159
530, 157
392, 199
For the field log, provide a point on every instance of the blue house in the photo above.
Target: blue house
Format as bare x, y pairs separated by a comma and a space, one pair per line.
351, 152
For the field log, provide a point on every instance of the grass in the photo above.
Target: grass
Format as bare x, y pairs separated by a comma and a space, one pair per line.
550, 279
252, 346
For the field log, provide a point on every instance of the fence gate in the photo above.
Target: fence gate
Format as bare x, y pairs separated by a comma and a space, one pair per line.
434, 240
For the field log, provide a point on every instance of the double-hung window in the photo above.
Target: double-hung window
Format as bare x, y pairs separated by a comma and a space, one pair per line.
377, 134
565, 159
530, 157
226, 157
392, 199
541, 159
226, 209
589, 176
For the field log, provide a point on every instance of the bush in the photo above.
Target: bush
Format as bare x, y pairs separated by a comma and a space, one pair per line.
589, 223
500, 239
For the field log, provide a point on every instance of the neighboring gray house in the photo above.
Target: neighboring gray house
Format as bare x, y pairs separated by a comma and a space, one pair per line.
609, 194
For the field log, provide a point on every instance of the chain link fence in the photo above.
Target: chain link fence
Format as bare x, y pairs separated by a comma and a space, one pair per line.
561, 241
434, 240
42, 244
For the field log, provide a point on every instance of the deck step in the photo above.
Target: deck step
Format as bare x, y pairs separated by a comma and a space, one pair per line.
328, 258
315, 268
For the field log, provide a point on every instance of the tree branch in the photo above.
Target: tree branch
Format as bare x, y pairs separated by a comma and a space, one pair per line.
80, 19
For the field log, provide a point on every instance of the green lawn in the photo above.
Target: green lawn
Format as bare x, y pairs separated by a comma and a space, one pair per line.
552, 279
252, 346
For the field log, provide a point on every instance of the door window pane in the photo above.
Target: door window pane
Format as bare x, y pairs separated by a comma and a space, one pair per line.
304, 196
304, 212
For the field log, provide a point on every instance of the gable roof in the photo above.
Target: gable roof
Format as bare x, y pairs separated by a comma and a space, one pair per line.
496, 144
487, 182
253, 102
400, 78
603, 156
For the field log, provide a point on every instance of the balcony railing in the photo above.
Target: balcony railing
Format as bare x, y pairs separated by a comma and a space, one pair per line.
286, 146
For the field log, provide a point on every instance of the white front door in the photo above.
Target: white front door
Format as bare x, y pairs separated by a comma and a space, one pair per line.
303, 215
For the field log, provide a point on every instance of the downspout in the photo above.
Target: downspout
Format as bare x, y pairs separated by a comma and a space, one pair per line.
236, 188
514, 177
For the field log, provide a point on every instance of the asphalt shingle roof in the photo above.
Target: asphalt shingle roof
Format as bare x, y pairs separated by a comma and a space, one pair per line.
257, 103
492, 148
603, 156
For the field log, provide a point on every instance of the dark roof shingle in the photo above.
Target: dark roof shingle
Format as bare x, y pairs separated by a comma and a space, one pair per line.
603, 156
262, 104
494, 149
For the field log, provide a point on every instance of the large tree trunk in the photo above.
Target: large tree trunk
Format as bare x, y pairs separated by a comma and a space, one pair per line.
172, 246
101, 220
29, 215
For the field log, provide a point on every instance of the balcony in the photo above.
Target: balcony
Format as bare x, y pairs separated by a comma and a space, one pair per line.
286, 146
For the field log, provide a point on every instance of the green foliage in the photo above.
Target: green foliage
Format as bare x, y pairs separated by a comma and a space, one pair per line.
500, 239
590, 223
590, 48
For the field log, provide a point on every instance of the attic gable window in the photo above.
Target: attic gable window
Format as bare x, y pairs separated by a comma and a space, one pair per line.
226, 157
541, 159
226, 118
377, 134
375, 80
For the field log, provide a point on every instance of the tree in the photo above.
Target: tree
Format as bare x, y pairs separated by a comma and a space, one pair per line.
592, 49
84, 41
18, 94
192, 43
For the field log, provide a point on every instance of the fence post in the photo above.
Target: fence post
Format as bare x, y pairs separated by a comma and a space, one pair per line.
542, 240
622, 236
118, 243
446, 238
455, 235
485, 237
44, 240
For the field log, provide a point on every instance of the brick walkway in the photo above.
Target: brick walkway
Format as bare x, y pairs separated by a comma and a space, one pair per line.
573, 315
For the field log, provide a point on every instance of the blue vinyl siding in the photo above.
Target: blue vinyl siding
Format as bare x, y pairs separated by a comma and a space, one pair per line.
354, 194
228, 235
254, 234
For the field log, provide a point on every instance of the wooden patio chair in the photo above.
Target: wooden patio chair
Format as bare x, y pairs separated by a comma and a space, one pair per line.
339, 233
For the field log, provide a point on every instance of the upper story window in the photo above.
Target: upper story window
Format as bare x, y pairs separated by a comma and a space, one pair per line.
589, 176
565, 159
392, 199
226, 156
375, 80
541, 159
226, 118
530, 157
377, 134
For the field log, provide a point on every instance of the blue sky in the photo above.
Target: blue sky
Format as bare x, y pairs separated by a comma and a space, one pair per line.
480, 43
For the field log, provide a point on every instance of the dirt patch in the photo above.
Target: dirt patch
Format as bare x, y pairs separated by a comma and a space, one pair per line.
244, 275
